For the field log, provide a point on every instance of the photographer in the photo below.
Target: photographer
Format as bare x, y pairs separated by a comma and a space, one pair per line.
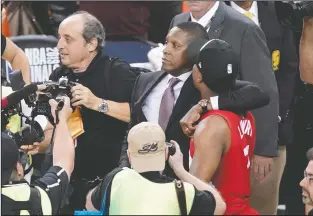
16, 57
144, 190
102, 94
46, 195
19, 125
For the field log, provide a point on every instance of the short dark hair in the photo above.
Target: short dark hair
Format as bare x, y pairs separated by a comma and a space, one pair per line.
194, 30
93, 28
309, 154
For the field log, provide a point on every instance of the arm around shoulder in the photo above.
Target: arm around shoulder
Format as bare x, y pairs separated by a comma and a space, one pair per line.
244, 96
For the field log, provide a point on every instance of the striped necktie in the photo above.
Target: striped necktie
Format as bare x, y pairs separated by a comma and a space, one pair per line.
167, 103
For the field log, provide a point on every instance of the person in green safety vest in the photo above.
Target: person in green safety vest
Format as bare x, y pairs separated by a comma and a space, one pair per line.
46, 195
145, 190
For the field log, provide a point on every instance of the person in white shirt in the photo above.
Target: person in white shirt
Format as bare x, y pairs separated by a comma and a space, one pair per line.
247, 8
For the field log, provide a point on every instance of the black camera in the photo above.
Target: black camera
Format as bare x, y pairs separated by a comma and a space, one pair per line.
291, 13
171, 148
28, 134
54, 90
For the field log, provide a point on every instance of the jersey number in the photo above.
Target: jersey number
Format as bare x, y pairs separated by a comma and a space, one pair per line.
246, 154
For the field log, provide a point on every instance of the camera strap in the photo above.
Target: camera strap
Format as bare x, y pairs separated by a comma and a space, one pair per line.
181, 196
57, 120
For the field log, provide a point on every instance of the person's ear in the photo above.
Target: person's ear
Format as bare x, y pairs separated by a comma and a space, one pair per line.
92, 44
199, 78
197, 75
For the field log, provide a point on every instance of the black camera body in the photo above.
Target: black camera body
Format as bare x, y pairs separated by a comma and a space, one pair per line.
171, 148
291, 13
28, 134
54, 90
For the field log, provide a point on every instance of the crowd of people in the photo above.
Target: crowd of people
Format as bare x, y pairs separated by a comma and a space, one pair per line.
207, 133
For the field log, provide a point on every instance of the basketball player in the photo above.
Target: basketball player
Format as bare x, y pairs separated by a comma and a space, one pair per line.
223, 142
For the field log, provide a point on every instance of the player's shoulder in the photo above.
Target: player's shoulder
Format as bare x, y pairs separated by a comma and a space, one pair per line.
215, 123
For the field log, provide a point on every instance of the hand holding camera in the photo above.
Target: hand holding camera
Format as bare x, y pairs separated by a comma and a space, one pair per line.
176, 160
64, 112
82, 95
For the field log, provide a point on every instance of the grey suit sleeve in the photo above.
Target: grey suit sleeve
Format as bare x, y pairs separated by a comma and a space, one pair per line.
256, 66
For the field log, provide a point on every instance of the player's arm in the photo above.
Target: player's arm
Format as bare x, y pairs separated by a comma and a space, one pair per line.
17, 59
211, 140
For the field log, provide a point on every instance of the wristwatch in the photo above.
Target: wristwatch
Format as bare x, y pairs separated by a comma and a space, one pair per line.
204, 104
103, 106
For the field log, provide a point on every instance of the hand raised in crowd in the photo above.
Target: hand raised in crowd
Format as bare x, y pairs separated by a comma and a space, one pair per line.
65, 112
176, 160
82, 95
189, 122
261, 167
31, 149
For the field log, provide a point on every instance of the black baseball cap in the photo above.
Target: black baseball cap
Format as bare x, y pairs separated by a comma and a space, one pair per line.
9, 157
217, 61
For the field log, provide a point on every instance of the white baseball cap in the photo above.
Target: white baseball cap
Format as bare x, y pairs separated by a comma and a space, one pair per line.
146, 146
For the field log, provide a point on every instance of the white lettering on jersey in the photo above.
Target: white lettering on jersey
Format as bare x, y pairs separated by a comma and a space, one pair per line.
246, 154
245, 128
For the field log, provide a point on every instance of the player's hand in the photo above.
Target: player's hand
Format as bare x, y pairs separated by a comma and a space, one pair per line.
65, 112
176, 161
30, 149
261, 167
82, 95
188, 122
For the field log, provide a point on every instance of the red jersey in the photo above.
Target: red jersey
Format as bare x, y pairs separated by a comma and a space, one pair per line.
232, 177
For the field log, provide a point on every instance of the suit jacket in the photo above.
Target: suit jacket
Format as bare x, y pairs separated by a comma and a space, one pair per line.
248, 40
280, 42
188, 97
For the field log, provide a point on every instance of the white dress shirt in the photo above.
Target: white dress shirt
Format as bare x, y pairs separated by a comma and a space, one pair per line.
253, 9
206, 17
204, 22
152, 103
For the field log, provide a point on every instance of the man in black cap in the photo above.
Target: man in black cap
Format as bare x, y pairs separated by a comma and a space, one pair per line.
223, 143
46, 195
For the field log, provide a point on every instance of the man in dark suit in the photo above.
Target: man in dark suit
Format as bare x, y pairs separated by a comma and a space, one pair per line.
165, 96
280, 42
248, 40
